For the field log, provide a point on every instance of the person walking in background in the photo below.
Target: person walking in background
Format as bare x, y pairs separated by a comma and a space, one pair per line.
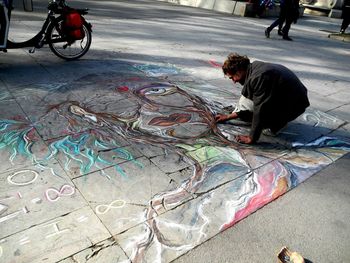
346, 16
289, 13
4, 22
272, 96
279, 21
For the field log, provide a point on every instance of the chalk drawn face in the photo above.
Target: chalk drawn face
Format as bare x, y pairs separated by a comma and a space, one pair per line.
163, 111
164, 94
168, 111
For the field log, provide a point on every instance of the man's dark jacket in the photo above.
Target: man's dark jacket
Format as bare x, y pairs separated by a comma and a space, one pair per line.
278, 96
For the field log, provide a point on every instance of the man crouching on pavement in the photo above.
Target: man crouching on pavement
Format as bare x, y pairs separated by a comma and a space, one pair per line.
272, 96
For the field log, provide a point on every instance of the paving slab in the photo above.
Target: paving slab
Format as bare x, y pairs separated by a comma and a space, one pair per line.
10, 110
341, 112
71, 233
21, 146
323, 103
4, 93
31, 196
171, 162
181, 228
122, 201
23, 66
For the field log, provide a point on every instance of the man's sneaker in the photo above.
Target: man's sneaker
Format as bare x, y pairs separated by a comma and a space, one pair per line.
279, 32
267, 33
268, 132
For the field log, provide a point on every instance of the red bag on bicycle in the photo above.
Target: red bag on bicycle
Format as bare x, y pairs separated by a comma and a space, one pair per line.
73, 25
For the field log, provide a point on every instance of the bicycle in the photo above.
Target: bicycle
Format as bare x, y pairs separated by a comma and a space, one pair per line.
54, 33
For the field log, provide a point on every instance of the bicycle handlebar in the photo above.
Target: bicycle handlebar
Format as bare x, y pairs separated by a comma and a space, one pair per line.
59, 2
55, 5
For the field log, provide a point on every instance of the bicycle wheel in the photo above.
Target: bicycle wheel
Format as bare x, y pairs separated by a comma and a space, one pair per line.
68, 50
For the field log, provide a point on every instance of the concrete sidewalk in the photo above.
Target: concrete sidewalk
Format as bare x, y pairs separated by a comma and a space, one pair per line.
115, 157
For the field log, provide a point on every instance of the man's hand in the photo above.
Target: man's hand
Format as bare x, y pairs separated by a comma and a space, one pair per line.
225, 117
221, 118
246, 139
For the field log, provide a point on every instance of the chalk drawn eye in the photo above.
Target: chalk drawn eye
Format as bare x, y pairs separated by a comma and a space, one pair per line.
155, 90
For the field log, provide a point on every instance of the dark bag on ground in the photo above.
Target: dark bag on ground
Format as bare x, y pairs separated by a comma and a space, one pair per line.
73, 25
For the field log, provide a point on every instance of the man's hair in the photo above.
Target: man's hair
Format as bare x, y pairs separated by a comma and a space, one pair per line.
234, 63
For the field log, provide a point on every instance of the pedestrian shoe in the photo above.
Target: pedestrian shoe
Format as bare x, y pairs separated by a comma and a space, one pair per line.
342, 31
288, 256
287, 38
267, 33
279, 32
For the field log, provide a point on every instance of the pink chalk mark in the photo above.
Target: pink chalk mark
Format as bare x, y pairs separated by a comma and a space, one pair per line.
262, 198
123, 88
18, 118
66, 132
215, 64
134, 79
31, 134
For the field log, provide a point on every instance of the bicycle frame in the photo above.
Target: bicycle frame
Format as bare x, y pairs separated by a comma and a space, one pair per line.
38, 40
41, 38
